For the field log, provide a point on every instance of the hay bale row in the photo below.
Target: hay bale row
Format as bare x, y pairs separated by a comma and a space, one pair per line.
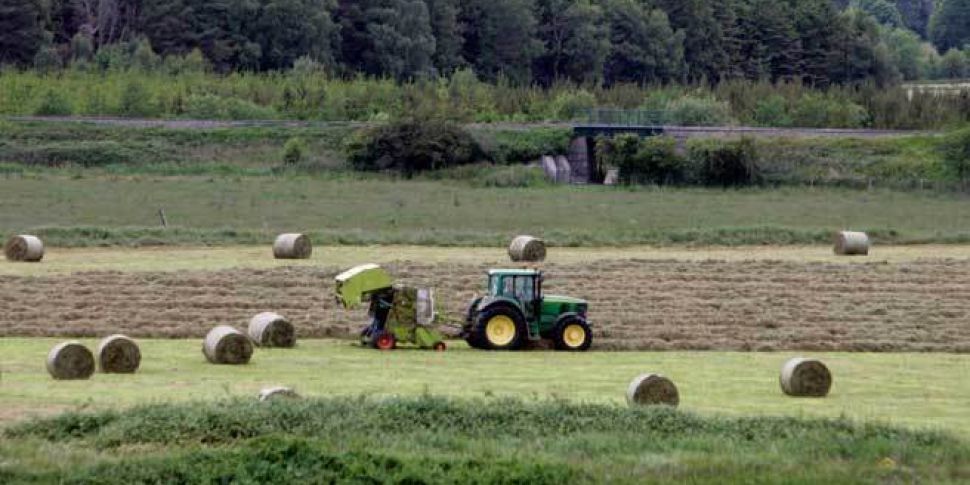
118, 354
850, 243
802, 377
292, 246
226, 345
24, 248
527, 249
70, 360
269, 329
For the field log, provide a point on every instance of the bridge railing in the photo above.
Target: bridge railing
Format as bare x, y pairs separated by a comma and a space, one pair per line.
626, 117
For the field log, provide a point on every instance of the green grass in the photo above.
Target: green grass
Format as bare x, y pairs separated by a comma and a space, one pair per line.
539, 417
346, 209
926, 391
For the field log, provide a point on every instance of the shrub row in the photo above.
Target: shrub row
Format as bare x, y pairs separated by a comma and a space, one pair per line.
656, 160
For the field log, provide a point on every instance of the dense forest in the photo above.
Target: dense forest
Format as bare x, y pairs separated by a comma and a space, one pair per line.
538, 42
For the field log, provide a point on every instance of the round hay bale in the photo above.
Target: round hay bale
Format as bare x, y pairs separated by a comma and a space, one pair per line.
226, 345
24, 248
269, 329
118, 354
292, 246
652, 389
527, 249
70, 360
272, 393
849, 243
805, 378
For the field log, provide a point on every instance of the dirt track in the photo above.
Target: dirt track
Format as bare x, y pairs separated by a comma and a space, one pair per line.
635, 304
675, 131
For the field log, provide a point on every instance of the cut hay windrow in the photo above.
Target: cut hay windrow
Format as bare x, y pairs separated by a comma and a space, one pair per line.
527, 249
802, 377
271, 393
118, 354
652, 389
24, 248
70, 360
226, 345
850, 243
292, 246
270, 329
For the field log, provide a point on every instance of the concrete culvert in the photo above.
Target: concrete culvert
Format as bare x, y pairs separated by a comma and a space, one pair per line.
70, 360
226, 345
850, 243
652, 389
24, 248
269, 329
118, 354
527, 249
292, 246
802, 377
280, 392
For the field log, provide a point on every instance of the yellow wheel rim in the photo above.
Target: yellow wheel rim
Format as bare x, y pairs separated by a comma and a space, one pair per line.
500, 330
574, 335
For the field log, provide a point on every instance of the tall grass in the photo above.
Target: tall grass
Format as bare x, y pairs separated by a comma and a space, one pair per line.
430, 439
296, 95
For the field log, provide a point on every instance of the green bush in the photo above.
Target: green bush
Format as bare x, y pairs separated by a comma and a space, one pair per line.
525, 146
212, 107
820, 111
956, 155
412, 146
699, 111
54, 103
651, 160
772, 111
489, 175
725, 164
294, 151
135, 101
570, 105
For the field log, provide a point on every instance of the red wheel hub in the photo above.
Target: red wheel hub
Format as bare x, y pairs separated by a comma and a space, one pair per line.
385, 341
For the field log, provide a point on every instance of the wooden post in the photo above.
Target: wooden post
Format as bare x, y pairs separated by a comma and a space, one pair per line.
161, 217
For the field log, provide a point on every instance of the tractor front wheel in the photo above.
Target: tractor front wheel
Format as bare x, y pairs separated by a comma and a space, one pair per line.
573, 334
499, 328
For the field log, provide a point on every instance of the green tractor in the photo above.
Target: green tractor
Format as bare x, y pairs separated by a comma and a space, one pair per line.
515, 312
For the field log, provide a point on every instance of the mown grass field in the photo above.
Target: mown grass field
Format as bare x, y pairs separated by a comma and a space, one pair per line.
89, 211
535, 417
922, 391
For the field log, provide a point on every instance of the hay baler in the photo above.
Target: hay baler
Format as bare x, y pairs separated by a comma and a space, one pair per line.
398, 313
515, 311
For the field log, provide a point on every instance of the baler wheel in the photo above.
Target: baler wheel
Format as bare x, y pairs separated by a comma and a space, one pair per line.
385, 341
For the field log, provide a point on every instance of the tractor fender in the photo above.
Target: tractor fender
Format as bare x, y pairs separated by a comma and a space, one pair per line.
548, 333
575, 315
490, 301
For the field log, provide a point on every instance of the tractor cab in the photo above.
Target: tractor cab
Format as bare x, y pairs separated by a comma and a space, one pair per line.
515, 311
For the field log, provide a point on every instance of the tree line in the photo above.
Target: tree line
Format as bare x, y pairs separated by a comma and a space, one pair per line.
592, 42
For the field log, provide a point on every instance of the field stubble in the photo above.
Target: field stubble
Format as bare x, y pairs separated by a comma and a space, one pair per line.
635, 303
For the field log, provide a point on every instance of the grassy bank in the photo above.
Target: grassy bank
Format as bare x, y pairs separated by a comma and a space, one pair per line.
436, 440
111, 210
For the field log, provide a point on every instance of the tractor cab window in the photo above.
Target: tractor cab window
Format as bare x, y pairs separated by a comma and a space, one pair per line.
525, 288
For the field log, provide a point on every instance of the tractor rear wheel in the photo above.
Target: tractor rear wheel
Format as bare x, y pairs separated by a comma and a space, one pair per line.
573, 334
499, 328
